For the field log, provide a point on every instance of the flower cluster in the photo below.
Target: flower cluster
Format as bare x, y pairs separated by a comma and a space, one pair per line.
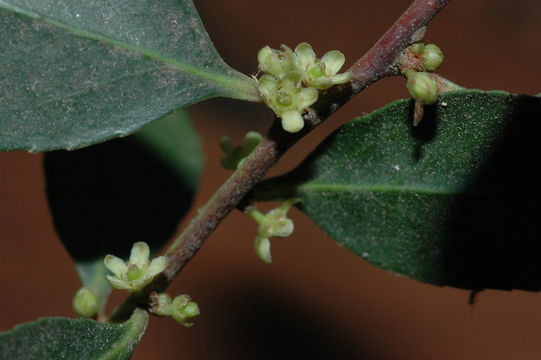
292, 79
181, 308
137, 272
274, 223
421, 85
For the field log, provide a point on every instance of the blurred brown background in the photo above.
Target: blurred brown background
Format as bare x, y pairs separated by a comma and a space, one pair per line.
316, 300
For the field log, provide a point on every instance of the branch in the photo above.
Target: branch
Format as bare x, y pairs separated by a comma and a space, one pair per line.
376, 64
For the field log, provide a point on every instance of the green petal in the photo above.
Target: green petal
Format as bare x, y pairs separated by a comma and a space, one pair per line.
139, 254
157, 266
305, 55
267, 86
262, 249
292, 121
342, 78
333, 61
322, 83
306, 97
118, 283
116, 265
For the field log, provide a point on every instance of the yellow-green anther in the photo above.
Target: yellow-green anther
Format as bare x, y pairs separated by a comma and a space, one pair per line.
422, 86
137, 272
85, 303
275, 223
234, 156
433, 57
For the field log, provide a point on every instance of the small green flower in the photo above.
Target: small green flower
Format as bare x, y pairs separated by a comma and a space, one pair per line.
138, 272
85, 303
234, 156
275, 223
181, 308
321, 73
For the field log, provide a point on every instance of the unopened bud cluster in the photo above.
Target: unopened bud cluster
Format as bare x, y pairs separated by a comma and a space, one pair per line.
421, 85
291, 80
181, 308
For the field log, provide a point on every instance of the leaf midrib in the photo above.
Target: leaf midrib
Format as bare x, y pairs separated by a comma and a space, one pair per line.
325, 187
215, 77
136, 326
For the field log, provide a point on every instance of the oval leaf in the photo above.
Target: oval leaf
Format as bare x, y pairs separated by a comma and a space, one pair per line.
106, 197
83, 339
455, 201
79, 72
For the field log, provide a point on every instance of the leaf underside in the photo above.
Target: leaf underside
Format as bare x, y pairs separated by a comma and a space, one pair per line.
78, 72
455, 201
106, 197
82, 339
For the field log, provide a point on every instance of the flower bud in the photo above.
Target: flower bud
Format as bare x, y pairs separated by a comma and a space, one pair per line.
85, 303
433, 57
423, 87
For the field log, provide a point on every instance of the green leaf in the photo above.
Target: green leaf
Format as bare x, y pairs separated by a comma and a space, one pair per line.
82, 339
455, 201
106, 197
83, 71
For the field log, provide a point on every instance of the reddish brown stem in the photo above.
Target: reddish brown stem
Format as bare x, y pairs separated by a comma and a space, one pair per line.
377, 63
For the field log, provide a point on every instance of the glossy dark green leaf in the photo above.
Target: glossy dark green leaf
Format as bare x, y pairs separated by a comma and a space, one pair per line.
108, 196
78, 72
455, 201
82, 339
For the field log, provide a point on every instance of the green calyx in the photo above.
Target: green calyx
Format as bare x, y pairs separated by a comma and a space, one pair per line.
85, 303
275, 223
181, 308
291, 80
